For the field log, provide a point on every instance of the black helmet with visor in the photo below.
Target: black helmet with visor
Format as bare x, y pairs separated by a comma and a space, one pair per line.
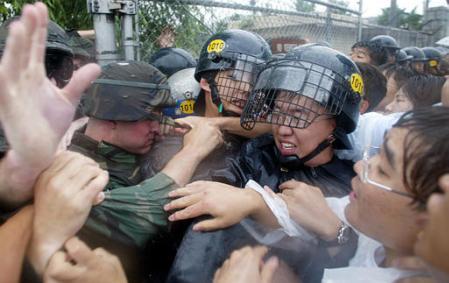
311, 82
230, 61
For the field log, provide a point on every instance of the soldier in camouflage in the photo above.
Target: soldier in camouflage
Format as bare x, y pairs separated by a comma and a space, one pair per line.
124, 109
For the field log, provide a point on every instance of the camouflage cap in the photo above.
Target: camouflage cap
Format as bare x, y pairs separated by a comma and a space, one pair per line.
128, 91
57, 39
81, 46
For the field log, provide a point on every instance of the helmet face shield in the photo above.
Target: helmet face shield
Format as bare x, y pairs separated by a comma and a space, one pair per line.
295, 94
235, 82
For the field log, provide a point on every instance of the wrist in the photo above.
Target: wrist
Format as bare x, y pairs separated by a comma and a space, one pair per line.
331, 229
39, 253
255, 204
18, 179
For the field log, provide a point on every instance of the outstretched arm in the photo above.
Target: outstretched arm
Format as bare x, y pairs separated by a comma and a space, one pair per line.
15, 235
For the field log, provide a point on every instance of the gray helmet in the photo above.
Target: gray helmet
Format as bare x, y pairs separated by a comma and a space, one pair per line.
82, 47
58, 54
417, 54
385, 41
127, 91
402, 57
171, 60
57, 39
184, 89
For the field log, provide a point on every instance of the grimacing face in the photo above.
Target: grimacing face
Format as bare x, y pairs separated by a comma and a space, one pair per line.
382, 215
295, 141
136, 137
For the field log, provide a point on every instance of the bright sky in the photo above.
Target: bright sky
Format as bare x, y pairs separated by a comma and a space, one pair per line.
372, 8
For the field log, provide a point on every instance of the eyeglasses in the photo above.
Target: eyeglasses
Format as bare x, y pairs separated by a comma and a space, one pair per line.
368, 153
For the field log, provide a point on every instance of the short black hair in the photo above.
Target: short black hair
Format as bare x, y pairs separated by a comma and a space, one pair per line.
426, 150
423, 90
375, 84
399, 73
377, 53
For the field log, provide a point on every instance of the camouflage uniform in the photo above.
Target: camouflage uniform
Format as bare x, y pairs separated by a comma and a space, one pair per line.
132, 216
133, 210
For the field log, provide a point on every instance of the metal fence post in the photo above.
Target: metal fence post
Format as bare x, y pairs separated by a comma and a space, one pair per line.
104, 25
360, 23
127, 13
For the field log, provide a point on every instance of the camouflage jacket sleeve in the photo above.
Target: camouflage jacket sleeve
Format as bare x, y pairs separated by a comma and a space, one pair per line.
133, 215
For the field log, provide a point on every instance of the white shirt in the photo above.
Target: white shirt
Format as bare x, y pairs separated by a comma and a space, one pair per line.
370, 130
364, 266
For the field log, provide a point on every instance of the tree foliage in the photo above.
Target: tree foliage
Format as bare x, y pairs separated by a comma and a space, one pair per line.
304, 6
68, 14
187, 22
341, 3
404, 20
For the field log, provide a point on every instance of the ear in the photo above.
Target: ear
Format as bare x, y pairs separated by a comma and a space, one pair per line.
205, 85
364, 106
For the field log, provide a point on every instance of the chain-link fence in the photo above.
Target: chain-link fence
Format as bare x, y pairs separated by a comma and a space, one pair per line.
284, 24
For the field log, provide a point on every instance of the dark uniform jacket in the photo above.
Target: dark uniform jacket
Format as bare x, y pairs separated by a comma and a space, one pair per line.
201, 254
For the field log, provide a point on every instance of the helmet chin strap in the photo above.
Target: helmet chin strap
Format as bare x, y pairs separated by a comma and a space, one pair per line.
217, 101
293, 161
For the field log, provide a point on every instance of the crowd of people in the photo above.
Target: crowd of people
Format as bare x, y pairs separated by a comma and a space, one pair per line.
238, 166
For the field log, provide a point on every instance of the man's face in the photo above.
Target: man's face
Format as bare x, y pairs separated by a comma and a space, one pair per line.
294, 141
382, 215
136, 137
418, 66
234, 87
400, 103
360, 54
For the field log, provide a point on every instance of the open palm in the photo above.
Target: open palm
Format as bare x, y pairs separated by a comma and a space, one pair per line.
34, 113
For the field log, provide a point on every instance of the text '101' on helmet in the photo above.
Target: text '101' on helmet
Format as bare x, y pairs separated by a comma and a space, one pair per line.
171, 60
417, 54
128, 91
184, 90
230, 61
310, 82
58, 53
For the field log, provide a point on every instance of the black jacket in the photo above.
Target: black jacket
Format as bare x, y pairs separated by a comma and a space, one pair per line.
200, 254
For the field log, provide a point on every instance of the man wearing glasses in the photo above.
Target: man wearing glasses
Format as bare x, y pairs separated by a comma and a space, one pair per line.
395, 185
311, 98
